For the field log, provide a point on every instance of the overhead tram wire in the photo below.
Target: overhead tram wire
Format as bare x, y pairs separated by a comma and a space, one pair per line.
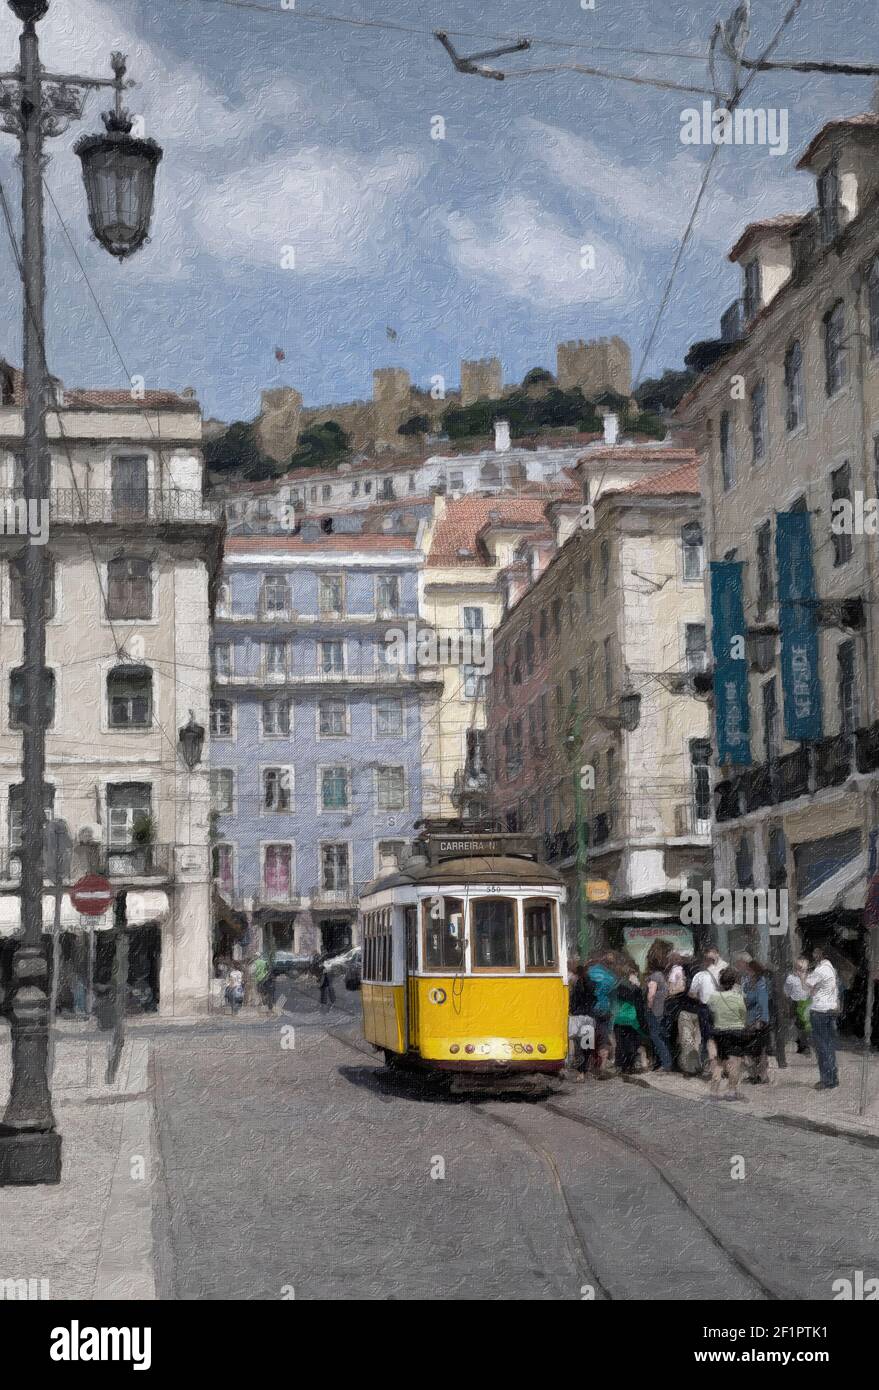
773, 43
321, 17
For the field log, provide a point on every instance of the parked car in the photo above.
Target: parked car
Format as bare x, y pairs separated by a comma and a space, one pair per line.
285, 963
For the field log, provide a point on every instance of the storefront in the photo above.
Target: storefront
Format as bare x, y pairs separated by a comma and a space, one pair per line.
830, 914
87, 950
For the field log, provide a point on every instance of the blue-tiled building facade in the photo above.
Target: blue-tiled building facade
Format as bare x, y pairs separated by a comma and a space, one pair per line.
316, 739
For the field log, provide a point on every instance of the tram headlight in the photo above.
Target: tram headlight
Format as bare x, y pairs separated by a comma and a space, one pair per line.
454, 1048
469, 1048
541, 1047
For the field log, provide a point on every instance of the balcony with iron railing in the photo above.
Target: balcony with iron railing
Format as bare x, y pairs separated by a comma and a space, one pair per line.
278, 614
88, 506
381, 676
345, 896
810, 768
126, 863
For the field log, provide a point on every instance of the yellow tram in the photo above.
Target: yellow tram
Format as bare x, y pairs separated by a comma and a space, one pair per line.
463, 965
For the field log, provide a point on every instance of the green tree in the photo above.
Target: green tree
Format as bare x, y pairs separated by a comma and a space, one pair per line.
416, 424
665, 392
237, 450
321, 446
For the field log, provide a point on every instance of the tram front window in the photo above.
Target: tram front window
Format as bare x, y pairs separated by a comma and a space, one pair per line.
494, 934
540, 951
443, 933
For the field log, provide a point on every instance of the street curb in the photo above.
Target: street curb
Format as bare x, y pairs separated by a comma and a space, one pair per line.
126, 1259
835, 1129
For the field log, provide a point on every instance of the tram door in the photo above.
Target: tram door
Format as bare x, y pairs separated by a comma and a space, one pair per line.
410, 918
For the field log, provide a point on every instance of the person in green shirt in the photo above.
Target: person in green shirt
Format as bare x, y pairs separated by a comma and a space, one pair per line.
261, 974
729, 1042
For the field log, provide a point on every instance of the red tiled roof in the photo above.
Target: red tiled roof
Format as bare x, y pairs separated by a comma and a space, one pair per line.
633, 452
785, 221
343, 541
456, 538
682, 479
864, 120
101, 398
170, 400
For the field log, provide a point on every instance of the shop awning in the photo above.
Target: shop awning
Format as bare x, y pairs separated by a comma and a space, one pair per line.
846, 890
71, 919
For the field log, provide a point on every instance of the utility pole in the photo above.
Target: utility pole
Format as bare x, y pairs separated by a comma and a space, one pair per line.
118, 171
30, 1147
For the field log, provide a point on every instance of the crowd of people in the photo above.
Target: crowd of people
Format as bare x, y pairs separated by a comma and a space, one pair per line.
698, 1015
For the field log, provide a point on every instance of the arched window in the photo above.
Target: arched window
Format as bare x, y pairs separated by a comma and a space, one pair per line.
129, 588
835, 349
794, 390
727, 451
130, 697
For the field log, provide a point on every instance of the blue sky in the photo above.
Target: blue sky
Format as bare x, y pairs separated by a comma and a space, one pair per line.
282, 133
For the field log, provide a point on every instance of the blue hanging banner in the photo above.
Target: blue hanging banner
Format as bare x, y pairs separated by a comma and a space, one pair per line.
798, 621
732, 716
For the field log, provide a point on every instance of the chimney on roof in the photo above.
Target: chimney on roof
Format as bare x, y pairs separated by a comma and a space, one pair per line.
611, 427
501, 436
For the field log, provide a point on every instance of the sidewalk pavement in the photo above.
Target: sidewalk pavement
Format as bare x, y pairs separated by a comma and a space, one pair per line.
91, 1236
790, 1097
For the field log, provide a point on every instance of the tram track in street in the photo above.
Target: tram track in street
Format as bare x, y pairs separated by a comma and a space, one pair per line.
630, 1144
581, 1250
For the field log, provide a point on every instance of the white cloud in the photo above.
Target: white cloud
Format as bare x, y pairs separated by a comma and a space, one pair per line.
335, 210
654, 206
528, 254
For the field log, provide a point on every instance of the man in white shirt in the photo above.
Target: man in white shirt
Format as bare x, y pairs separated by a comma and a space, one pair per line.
824, 993
714, 964
702, 986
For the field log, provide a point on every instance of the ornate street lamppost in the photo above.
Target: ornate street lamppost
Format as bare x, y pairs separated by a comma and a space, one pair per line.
119, 172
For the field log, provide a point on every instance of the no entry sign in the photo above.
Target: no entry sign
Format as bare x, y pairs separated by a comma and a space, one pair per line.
92, 895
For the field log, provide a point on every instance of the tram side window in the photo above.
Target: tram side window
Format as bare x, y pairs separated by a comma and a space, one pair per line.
444, 934
540, 952
411, 919
494, 934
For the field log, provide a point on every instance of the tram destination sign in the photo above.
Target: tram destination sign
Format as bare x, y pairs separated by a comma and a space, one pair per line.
461, 845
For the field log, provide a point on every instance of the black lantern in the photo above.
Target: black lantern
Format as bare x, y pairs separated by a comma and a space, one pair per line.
191, 740
630, 710
119, 172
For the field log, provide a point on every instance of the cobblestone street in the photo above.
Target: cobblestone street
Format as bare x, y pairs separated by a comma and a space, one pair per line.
292, 1167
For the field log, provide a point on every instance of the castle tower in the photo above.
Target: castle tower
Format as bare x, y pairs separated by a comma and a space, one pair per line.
481, 380
391, 388
279, 422
604, 364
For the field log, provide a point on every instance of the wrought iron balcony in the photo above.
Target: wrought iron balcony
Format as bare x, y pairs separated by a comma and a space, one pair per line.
833, 760
867, 744
344, 897
87, 506
115, 862
136, 861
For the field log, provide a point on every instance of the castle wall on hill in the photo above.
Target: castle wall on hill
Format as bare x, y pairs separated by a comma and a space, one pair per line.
602, 365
